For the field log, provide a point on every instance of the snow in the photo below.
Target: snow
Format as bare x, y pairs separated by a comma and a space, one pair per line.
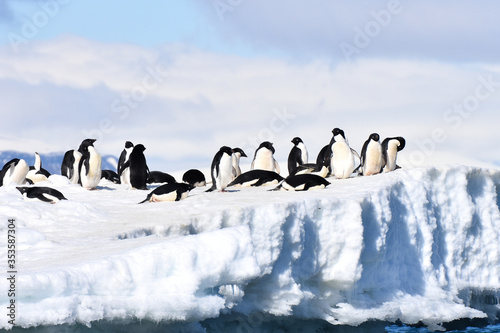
415, 245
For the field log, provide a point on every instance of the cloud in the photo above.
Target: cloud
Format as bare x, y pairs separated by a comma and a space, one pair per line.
183, 103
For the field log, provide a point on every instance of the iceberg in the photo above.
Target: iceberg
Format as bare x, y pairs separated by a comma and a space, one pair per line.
419, 245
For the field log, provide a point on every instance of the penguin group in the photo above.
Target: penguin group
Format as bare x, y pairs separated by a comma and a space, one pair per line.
336, 160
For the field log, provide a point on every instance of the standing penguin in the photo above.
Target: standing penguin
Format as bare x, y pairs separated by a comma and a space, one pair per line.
298, 155
90, 165
124, 173
371, 156
264, 158
37, 173
139, 171
390, 148
69, 165
221, 169
237, 154
342, 163
14, 172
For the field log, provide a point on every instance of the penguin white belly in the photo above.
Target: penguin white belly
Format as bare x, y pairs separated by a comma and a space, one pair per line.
36, 177
264, 160
76, 176
91, 178
171, 196
342, 161
373, 160
225, 175
392, 152
52, 198
16, 174
303, 151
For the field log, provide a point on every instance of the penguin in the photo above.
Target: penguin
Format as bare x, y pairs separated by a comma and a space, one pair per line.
264, 159
169, 192
371, 156
343, 162
14, 172
221, 169
111, 176
40, 193
123, 173
37, 173
160, 177
325, 157
390, 148
256, 178
138, 168
302, 183
321, 168
298, 155
89, 167
237, 154
194, 177
69, 165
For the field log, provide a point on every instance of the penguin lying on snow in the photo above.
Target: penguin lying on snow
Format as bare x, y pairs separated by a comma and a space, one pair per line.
169, 192
111, 176
256, 178
160, 177
194, 177
303, 182
40, 193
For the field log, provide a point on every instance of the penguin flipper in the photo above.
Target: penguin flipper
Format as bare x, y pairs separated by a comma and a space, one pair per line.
148, 197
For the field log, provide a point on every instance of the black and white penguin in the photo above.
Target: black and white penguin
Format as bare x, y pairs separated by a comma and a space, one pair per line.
343, 157
303, 182
160, 177
41, 193
124, 173
169, 192
37, 173
194, 177
321, 168
14, 172
390, 149
371, 156
90, 165
111, 176
264, 158
256, 178
221, 169
69, 165
237, 154
298, 155
325, 157
139, 171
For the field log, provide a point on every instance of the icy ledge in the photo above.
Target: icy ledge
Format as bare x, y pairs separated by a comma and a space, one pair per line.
419, 245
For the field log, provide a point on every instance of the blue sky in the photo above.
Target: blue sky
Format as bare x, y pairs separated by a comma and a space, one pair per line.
185, 77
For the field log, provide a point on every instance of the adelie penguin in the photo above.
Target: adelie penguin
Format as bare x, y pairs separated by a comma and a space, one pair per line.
139, 171
390, 149
194, 177
264, 158
371, 156
69, 165
302, 183
221, 169
256, 178
343, 157
14, 172
237, 154
37, 173
41, 193
298, 155
110, 175
89, 168
160, 177
169, 192
124, 173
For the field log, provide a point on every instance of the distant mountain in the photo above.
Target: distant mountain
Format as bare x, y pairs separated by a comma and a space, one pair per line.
51, 161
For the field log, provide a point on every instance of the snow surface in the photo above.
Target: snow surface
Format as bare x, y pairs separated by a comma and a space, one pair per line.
416, 245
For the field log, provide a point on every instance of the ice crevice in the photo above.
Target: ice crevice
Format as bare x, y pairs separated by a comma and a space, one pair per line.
417, 245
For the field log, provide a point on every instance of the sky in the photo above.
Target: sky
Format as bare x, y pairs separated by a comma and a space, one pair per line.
187, 77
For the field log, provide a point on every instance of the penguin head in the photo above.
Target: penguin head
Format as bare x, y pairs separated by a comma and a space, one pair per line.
84, 146
227, 150
240, 151
374, 137
402, 143
139, 148
297, 140
128, 144
22, 189
268, 145
336, 132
